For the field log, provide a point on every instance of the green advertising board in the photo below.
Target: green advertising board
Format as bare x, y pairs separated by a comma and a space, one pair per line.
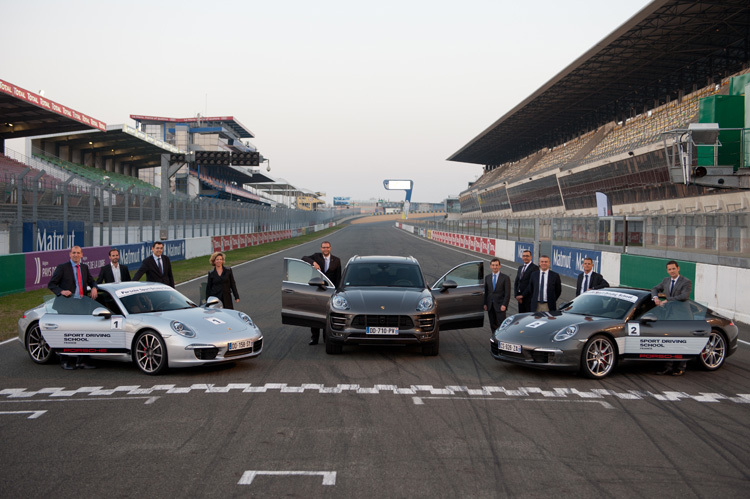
646, 272
14, 274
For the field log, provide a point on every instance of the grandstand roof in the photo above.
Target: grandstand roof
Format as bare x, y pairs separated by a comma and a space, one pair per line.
227, 121
26, 114
119, 141
667, 47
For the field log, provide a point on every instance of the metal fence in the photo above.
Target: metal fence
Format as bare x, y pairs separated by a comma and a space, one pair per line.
113, 216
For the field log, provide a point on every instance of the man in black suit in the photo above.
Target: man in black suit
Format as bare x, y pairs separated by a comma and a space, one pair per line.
70, 279
331, 267
157, 267
496, 294
521, 288
675, 288
114, 272
546, 287
588, 279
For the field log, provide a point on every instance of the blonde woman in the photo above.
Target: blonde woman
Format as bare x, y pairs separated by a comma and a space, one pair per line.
221, 281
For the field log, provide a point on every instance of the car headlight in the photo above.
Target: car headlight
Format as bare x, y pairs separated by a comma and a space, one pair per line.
182, 329
339, 302
246, 318
507, 322
425, 304
565, 334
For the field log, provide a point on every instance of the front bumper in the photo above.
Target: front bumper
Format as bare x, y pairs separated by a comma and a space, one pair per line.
541, 357
351, 329
199, 354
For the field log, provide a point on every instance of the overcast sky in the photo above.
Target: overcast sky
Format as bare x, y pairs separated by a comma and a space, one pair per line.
339, 94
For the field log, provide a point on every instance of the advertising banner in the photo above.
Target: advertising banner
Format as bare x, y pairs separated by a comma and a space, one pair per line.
41, 264
568, 261
520, 248
175, 249
132, 255
50, 235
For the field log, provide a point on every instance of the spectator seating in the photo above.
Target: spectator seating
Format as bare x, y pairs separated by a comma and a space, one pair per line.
96, 175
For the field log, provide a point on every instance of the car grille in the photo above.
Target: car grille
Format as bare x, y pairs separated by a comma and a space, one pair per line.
255, 348
493, 348
206, 353
338, 322
426, 323
540, 357
399, 321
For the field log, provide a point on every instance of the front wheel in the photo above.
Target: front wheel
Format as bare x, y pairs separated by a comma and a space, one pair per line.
37, 348
150, 353
713, 354
599, 357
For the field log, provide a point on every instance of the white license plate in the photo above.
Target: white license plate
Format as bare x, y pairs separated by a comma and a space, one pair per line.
382, 330
510, 347
239, 345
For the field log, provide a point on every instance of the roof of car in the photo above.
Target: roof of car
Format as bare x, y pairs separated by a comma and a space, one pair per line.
383, 259
112, 286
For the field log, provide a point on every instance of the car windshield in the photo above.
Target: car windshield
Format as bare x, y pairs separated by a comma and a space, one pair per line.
153, 299
399, 275
602, 303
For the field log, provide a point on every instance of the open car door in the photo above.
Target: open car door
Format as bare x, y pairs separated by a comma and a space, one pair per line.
305, 292
459, 295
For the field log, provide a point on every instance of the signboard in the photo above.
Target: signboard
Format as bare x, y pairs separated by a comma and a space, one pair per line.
133, 255
175, 249
569, 261
50, 235
337, 201
41, 264
521, 247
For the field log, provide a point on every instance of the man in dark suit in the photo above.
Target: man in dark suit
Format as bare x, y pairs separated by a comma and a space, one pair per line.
331, 267
157, 267
70, 279
588, 279
521, 287
114, 272
496, 294
546, 287
674, 288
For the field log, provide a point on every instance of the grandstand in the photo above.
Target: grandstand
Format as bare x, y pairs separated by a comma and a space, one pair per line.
598, 125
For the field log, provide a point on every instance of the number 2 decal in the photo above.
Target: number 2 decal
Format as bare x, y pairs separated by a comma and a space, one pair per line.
634, 329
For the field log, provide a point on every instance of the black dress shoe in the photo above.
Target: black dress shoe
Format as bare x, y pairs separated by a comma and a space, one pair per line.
67, 363
313, 342
85, 365
666, 371
678, 372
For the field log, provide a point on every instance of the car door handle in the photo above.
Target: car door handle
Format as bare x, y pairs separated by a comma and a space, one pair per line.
50, 326
700, 333
477, 293
288, 291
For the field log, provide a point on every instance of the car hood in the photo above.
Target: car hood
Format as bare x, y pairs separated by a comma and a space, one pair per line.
542, 324
202, 320
382, 300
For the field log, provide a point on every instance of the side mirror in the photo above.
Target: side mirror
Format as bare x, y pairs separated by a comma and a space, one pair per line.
101, 312
213, 302
448, 285
649, 317
319, 282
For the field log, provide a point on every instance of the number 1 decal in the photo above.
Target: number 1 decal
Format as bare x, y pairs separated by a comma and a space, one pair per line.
117, 322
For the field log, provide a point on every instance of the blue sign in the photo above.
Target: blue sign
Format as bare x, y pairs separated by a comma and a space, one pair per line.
568, 261
338, 201
50, 235
175, 249
521, 247
133, 255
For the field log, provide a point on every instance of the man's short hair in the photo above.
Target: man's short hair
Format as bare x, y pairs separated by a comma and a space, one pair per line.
589, 259
526, 251
544, 256
155, 243
672, 262
113, 249
325, 242
496, 259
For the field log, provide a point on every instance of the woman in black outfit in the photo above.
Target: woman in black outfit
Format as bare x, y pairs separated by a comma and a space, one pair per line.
221, 282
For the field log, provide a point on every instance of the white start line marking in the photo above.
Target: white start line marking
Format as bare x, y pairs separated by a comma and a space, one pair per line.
93, 392
329, 477
32, 414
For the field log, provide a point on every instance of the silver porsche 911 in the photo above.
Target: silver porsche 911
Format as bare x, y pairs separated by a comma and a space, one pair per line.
150, 324
382, 300
599, 328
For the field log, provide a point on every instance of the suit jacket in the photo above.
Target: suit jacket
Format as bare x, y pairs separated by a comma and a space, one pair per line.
106, 275
596, 281
334, 266
222, 286
500, 295
522, 284
149, 267
64, 278
554, 289
681, 292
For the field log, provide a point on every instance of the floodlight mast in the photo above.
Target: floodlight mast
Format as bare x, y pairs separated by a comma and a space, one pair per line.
401, 185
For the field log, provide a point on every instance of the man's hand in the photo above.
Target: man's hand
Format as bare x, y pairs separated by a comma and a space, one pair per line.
93, 293
485, 308
315, 264
660, 303
66, 293
503, 308
519, 298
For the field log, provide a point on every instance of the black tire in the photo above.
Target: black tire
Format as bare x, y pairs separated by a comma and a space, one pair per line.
38, 349
599, 357
433, 348
150, 353
714, 353
333, 348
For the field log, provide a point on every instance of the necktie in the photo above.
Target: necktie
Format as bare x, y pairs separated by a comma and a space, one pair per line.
494, 281
671, 288
161, 269
80, 282
326, 266
523, 270
585, 283
542, 282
